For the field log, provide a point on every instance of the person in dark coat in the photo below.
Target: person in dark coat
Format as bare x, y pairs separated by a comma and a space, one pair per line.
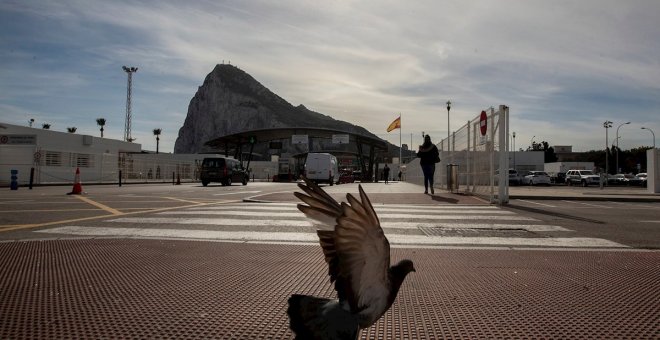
428, 154
386, 172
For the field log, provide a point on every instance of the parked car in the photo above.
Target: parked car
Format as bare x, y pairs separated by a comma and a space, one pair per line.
639, 179
224, 170
558, 178
514, 178
536, 177
346, 176
619, 179
581, 177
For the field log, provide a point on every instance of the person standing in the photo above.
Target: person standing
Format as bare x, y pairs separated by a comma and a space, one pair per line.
386, 172
429, 155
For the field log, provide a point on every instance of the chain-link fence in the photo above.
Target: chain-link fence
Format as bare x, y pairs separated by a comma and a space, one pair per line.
477, 149
474, 156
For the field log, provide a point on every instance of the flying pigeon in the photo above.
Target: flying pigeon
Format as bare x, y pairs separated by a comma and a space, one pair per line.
358, 257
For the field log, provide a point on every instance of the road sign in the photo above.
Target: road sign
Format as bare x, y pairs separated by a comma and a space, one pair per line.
299, 139
340, 139
483, 123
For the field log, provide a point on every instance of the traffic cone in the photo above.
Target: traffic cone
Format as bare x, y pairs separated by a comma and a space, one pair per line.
77, 187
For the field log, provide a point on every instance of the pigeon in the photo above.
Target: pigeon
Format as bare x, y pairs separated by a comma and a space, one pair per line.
358, 257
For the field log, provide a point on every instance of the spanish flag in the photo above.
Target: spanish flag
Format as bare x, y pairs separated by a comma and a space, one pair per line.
396, 124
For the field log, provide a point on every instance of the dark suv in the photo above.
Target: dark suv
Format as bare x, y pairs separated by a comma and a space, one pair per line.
223, 170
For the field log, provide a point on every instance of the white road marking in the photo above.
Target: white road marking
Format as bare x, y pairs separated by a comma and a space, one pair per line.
594, 205
486, 226
236, 192
431, 210
649, 221
309, 223
252, 236
537, 203
382, 217
275, 211
214, 221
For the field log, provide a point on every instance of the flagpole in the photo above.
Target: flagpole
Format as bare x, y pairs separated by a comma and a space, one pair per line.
400, 128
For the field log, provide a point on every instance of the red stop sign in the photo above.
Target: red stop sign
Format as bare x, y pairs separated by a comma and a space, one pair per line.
483, 123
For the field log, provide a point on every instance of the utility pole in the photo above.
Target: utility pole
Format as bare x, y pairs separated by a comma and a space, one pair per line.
127, 126
617, 146
607, 124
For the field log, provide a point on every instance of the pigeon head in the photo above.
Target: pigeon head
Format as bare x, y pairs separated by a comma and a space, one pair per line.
403, 268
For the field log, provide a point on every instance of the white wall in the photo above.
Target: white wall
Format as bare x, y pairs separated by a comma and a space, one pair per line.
43, 148
653, 170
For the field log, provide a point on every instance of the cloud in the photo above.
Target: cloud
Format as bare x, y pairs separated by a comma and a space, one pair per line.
562, 67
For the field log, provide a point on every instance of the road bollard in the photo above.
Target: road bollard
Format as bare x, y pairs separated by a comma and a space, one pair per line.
31, 178
14, 180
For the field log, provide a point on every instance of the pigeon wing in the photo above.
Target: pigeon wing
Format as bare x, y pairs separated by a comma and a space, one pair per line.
363, 258
320, 206
323, 208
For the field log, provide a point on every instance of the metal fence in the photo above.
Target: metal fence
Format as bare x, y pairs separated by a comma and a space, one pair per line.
476, 150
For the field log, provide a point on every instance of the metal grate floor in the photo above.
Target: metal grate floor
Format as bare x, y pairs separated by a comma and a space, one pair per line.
117, 288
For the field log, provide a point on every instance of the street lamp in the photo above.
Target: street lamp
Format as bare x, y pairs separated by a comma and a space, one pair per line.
607, 124
617, 145
514, 150
448, 129
531, 142
645, 128
31, 121
127, 126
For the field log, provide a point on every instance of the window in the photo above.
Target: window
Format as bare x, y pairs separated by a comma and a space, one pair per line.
53, 158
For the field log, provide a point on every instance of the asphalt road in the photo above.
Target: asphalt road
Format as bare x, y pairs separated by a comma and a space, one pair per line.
24, 212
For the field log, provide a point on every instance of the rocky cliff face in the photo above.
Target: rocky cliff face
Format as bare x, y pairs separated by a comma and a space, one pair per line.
231, 101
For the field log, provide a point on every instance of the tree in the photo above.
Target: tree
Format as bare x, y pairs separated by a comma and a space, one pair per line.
157, 134
45, 126
101, 122
72, 129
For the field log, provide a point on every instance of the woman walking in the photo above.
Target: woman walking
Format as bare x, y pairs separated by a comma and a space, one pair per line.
429, 155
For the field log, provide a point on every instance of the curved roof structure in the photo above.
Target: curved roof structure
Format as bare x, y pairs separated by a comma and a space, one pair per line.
276, 134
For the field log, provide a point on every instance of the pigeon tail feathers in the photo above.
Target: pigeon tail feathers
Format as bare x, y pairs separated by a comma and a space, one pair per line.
318, 318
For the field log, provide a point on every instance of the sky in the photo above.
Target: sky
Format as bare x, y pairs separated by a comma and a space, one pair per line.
562, 67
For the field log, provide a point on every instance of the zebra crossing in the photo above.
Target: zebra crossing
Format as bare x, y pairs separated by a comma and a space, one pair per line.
404, 225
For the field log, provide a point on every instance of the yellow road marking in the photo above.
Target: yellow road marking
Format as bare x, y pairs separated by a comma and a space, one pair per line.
100, 206
10, 227
181, 200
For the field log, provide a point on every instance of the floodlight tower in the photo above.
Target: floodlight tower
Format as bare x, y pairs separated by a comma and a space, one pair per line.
127, 126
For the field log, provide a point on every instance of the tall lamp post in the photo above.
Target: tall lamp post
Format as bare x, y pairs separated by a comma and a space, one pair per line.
514, 150
607, 124
127, 126
448, 129
645, 128
531, 142
617, 145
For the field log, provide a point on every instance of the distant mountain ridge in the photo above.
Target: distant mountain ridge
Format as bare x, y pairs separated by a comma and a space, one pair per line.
231, 101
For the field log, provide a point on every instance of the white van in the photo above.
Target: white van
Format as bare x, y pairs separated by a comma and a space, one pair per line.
322, 168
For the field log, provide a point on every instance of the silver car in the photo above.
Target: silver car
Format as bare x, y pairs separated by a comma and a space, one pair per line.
536, 177
582, 177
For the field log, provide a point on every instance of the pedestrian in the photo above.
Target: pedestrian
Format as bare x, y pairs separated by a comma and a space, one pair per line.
429, 155
386, 172
400, 175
